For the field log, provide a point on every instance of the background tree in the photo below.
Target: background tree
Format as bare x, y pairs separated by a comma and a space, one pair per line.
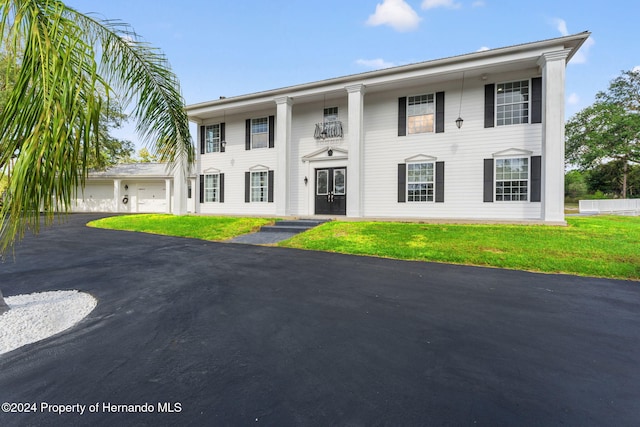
575, 184
606, 179
608, 130
108, 149
146, 157
70, 65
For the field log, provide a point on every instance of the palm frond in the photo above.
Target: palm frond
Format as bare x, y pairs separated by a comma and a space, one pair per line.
67, 62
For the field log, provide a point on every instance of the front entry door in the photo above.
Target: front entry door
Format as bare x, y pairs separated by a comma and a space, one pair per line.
331, 191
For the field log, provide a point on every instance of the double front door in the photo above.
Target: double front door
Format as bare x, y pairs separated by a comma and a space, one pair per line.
331, 191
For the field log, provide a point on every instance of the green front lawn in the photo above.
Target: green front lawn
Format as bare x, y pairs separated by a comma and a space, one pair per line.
600, 246
591, 246
198, 227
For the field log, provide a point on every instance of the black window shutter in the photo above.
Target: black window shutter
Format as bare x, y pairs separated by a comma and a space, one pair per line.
247, 135
439, 182
402, 116
536, 100
270, 188
202, 139
222, 137
489, 105
272, 131
247, 187
439, 112
536, 178
201, 188
221, 182
488, 180
402, 182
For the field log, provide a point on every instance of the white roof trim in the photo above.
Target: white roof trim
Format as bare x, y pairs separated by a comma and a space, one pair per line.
259, 168
323, 154
512, 152
420, 158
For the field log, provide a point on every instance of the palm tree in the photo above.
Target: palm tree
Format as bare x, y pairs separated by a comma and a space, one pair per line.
67, 62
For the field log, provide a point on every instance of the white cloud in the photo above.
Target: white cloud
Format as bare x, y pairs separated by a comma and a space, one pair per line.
375, 64
395, 13
478, 3
573, 99
483, 48
636, 69
432, 4
561, 26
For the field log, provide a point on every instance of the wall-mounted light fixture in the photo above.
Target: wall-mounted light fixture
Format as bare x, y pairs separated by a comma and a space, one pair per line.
306, 180
459, 119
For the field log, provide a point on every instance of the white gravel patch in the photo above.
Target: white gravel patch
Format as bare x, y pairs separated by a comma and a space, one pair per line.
37, 316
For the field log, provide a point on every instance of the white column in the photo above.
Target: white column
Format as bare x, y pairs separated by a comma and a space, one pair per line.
355, 172
116, 195
179, 186
553, 93
167, 195
283, 143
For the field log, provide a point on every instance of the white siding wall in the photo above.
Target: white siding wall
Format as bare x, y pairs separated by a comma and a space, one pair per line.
234, 162
462, 150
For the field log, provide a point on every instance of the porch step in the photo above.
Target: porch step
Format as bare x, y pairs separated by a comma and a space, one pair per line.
291, 226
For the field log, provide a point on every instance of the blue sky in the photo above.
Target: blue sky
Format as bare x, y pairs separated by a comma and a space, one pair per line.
228, 48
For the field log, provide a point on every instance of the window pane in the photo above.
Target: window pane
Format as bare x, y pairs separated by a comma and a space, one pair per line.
512, 179
331, 114
322, 184
260, 132
420, 113
259, 186
420, 177
212, 138
512, 103
211, 188
338, 182
421, 124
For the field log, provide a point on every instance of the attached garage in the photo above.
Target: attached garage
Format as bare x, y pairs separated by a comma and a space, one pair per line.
131, 188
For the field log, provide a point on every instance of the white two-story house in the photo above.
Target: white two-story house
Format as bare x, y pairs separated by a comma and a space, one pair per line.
471, 137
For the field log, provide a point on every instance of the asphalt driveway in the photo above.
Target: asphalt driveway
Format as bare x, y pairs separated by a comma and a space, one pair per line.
226, 334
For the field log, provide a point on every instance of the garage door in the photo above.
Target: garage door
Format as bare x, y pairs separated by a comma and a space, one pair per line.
152, 198
96, 197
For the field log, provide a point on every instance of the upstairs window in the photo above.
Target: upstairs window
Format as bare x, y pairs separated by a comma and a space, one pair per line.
420, 113
260, 133
512, 103
330, 114
212, 138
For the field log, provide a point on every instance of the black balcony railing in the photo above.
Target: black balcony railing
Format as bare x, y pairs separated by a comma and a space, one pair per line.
328, 130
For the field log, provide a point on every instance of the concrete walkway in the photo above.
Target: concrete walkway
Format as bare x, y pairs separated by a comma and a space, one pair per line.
281, 230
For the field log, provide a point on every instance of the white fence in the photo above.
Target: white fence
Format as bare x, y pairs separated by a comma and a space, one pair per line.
616, 206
